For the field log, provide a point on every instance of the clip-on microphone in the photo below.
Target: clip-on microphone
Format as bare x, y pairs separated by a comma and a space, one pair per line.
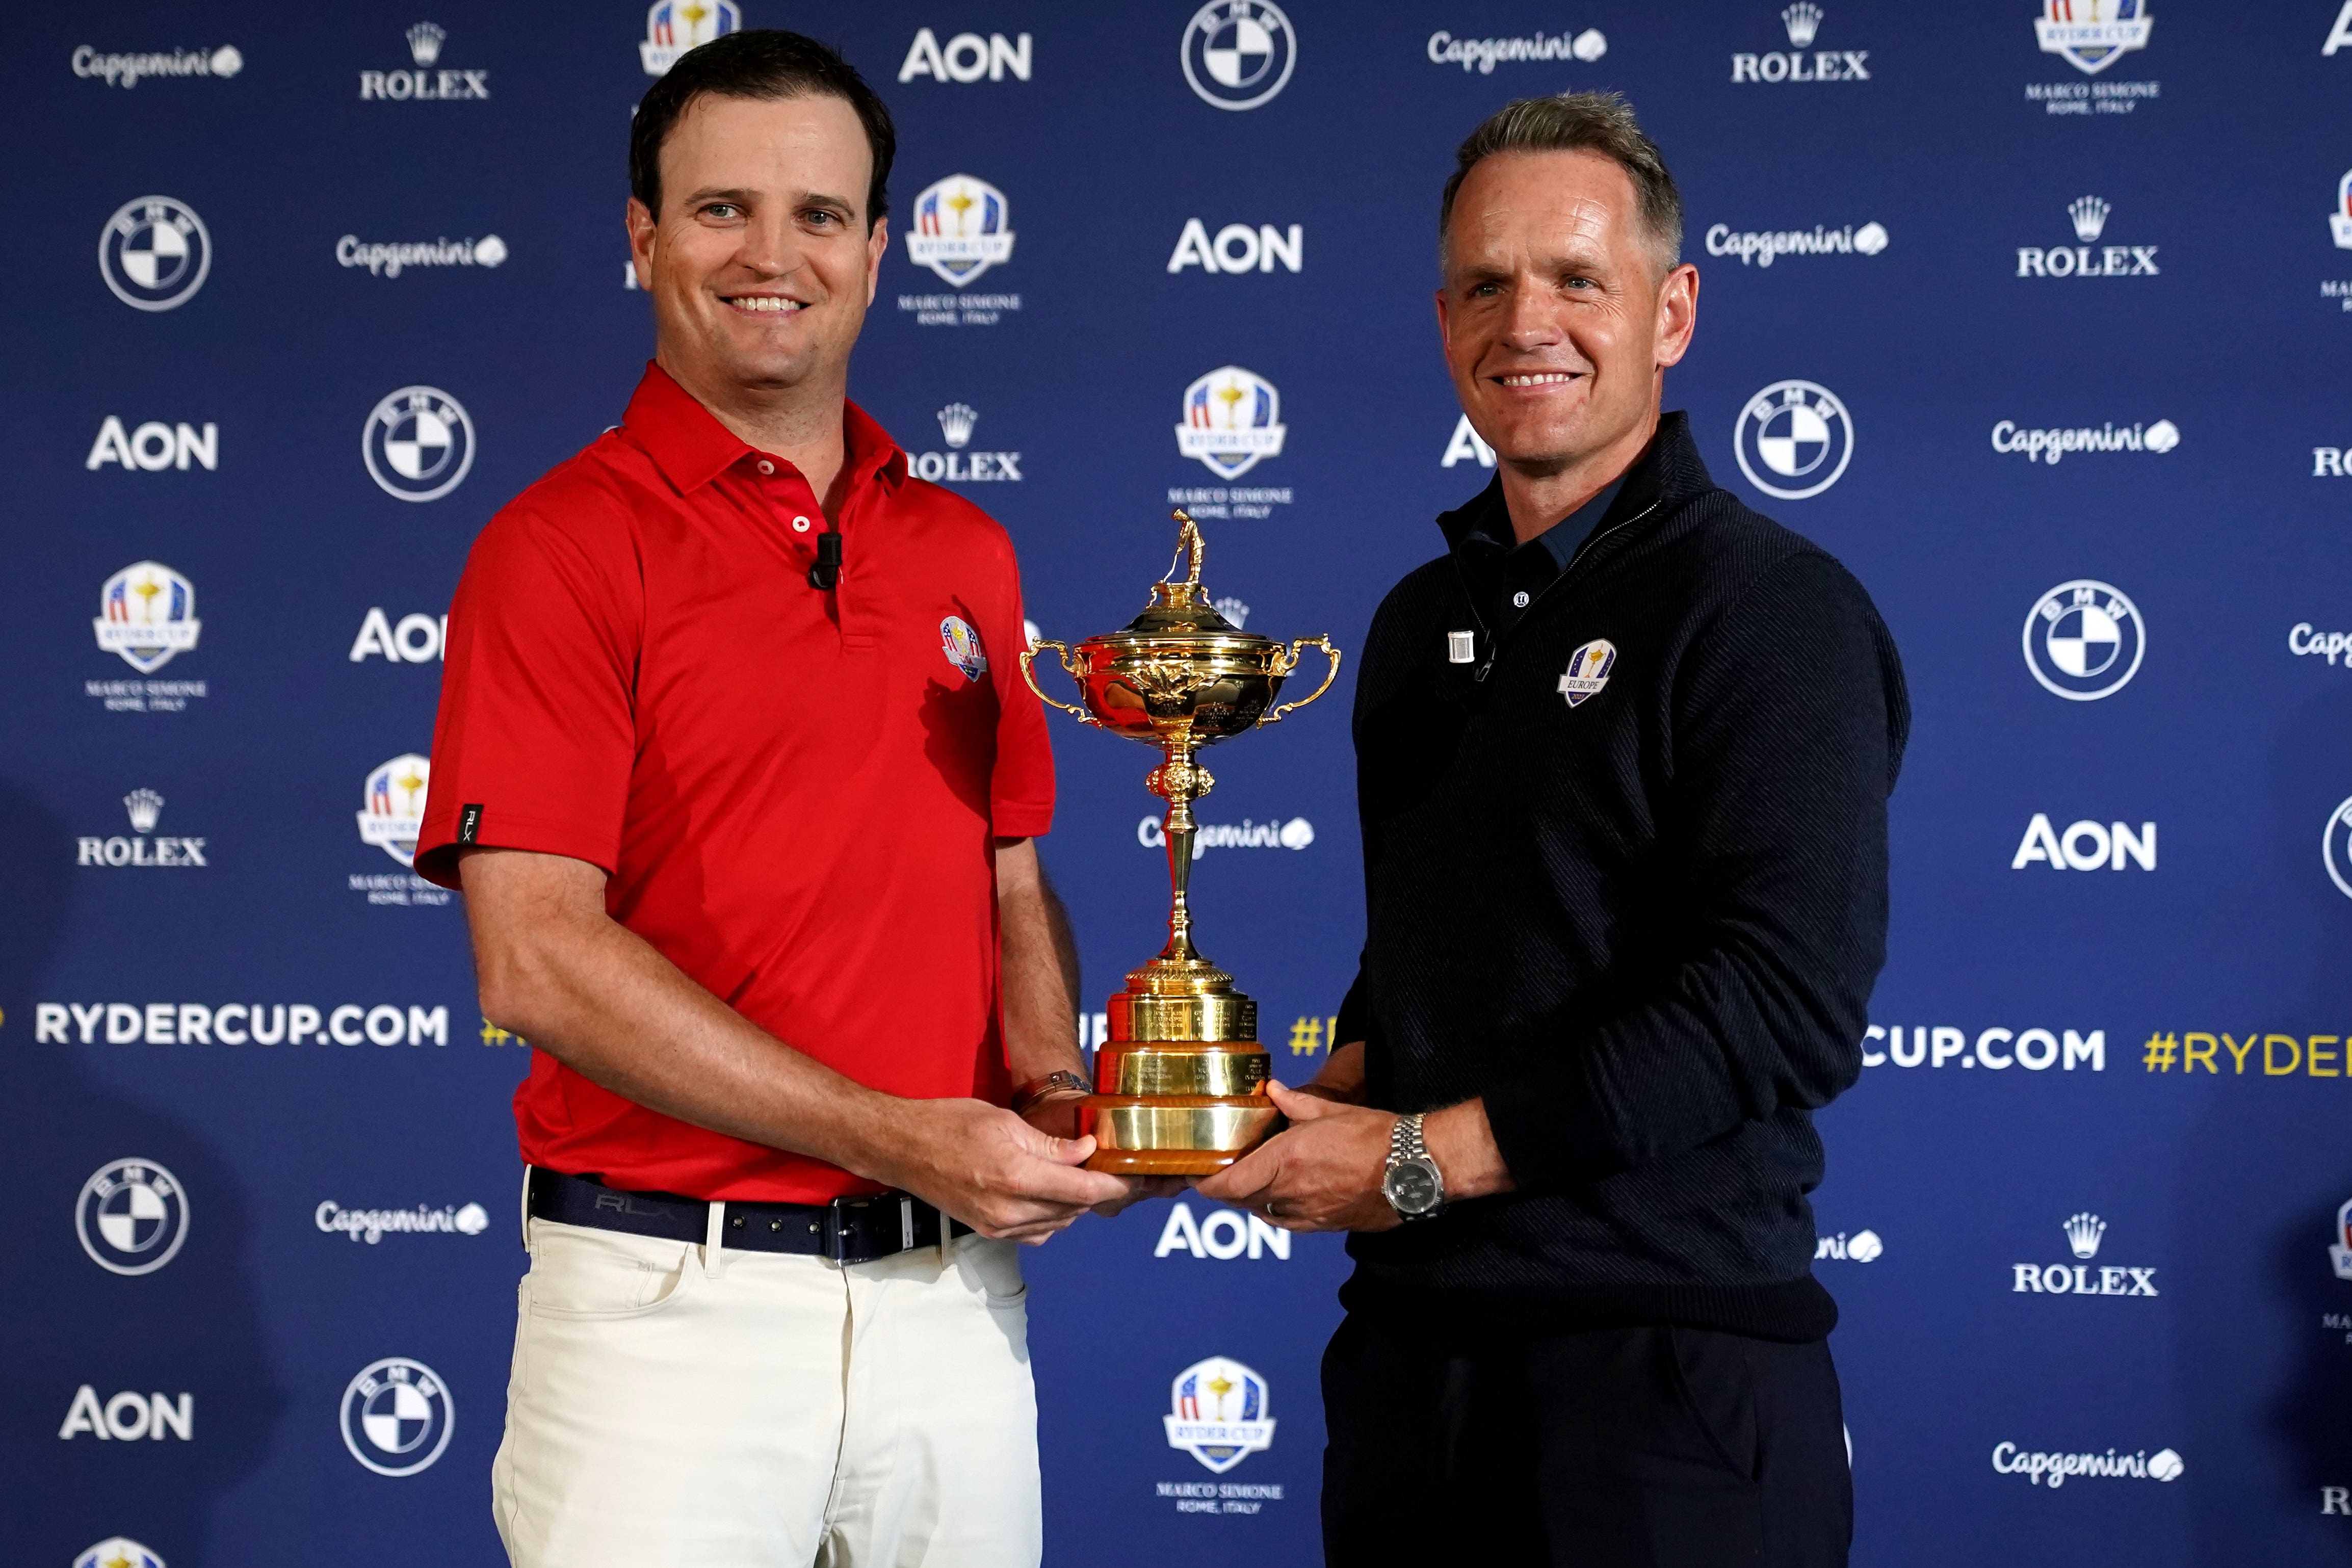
826, 573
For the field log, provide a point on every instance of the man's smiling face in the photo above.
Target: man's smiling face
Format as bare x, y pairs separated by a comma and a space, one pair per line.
1556, 311
760, 263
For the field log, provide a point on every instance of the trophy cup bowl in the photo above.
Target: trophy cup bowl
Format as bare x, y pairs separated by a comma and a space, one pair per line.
1179, 1085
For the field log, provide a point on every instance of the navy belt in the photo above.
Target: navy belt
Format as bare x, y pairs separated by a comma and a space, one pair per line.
846, 1230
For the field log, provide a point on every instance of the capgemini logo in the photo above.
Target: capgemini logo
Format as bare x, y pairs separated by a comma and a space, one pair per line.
956, 421
144, 807
425, 42
1802, 20
2082, 1234
2090, 216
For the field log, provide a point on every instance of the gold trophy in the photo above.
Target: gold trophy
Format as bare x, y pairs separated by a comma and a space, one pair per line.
1179, 1087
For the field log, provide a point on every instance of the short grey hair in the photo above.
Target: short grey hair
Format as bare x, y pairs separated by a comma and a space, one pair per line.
1599, 123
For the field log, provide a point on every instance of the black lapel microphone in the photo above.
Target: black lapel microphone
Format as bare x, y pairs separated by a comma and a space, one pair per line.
826, 573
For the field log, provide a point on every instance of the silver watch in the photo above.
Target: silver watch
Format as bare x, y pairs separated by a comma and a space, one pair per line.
1412, 1184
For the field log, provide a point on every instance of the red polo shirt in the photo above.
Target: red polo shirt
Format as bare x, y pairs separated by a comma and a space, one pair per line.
791, 792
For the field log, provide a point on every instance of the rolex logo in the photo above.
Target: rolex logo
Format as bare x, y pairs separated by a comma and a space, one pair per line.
956, 421
2082, 1234
1802, 20
2090, 216
145, 807
425, 42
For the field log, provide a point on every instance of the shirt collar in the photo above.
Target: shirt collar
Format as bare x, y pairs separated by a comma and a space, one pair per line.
1487, 525
691, 448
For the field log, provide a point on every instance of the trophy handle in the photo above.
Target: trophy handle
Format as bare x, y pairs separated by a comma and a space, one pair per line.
1290, 662
1028, 673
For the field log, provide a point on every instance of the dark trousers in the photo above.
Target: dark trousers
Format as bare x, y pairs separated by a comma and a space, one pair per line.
1648, 1447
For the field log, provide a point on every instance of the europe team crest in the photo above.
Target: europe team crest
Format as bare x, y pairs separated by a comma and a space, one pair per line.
2092, 34
1587, 671
1220, 1413
961, 645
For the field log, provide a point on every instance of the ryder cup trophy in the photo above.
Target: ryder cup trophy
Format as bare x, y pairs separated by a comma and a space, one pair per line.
1179, 1087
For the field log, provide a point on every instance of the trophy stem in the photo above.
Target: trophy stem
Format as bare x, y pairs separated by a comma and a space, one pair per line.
1180, 781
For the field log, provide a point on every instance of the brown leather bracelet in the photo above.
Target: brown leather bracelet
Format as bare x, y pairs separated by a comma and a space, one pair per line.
1038, 1089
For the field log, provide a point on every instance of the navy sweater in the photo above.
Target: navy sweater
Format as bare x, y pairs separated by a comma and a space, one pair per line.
1643, 924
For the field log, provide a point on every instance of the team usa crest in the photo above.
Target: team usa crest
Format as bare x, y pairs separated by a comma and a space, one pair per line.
1232, 418
393, 813
147, 612
2092, 34
2339, 222
1587, 671
960, 643
1220, 1415
960, 228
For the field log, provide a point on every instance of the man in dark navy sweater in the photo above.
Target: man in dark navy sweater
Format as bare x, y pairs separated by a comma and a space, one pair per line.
1623, 756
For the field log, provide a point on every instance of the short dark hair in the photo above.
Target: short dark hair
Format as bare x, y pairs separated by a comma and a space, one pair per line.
765, 63
1599, 123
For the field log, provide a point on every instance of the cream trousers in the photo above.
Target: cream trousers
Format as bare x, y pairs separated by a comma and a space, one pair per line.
672, 1404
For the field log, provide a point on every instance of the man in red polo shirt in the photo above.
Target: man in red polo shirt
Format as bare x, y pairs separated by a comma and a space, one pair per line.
733, 768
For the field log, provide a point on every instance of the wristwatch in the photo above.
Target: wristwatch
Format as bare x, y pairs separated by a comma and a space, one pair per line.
1412, 1183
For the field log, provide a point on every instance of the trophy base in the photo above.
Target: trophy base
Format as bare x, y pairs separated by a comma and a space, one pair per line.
1173, 1134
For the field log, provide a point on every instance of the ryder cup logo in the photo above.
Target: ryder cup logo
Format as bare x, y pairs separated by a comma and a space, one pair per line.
961, 645
132, 1216
2335, 848
393, 814
1232, 418
1793, 439
1220, 1413
674, 26
154, 253
2084, 640
1587, 671
419, 443
2092, 34
1238, 53
2339, 1246
397, 1416
959, 229
117, 1551
147, 612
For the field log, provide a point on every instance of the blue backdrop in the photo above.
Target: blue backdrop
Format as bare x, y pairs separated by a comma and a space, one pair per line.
2034, 321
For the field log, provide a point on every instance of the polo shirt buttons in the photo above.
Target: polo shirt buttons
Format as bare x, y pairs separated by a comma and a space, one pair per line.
766, 466
800, 525
1519, 600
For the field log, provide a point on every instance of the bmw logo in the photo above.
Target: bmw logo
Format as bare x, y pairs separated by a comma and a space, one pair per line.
1238, 53
1793, 439
154, 253
418, 444
2336, 850
132, 1216
2084, 640
397, 1416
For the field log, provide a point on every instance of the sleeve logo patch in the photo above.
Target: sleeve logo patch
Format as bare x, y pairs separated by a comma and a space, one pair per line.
961, 645
1587, 671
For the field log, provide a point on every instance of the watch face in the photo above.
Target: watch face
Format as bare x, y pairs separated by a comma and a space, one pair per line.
1411, 1188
